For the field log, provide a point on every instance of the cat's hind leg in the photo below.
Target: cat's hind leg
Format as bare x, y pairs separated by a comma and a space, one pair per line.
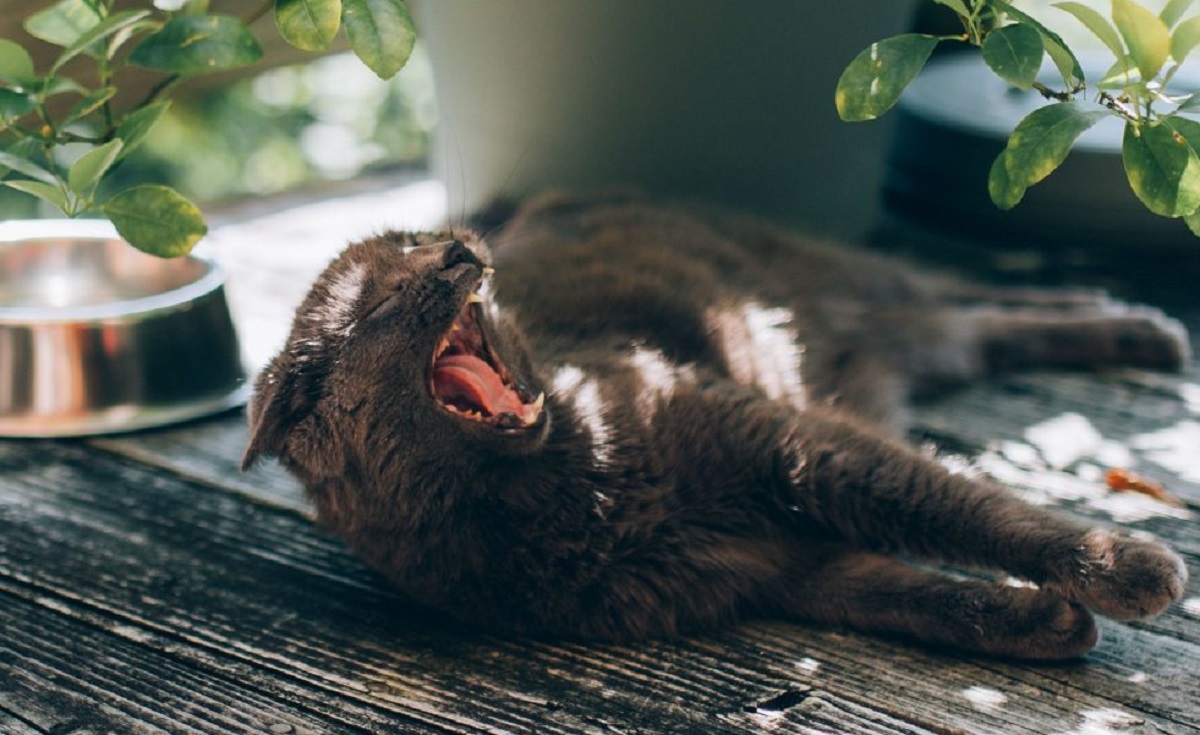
958, 343
878, 594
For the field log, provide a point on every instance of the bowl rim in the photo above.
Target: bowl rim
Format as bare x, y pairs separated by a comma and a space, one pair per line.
16, 231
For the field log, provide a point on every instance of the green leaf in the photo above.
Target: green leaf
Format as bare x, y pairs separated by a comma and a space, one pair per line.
1000, 187
1120, 75
1173, 11
1193, 222
381, 34
873, 82
958, 6
1097, 24
156, 219
133, 129
91, 37
198, 44
63, 23
90, 103
16, 65
1064, 60
1185, 39
57, 85
14, 105
1162, 167
1189, 129
91, 166
25, 166
309, 25
1147, 36
1015, 54
41, 190
1191, 105
1037, 146
1068, 65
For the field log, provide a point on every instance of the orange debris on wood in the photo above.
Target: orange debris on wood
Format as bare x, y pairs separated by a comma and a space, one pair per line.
1126, 481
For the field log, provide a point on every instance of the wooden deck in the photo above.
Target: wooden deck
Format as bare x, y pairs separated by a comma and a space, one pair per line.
147, 586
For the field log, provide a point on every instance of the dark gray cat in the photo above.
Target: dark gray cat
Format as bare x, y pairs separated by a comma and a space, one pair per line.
652, 420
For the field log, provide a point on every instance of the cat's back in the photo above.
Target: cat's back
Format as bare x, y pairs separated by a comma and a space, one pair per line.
607, 271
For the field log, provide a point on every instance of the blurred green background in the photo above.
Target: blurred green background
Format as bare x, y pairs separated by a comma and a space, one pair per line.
288, 127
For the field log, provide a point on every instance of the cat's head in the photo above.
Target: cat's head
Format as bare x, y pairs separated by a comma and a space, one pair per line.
396, 350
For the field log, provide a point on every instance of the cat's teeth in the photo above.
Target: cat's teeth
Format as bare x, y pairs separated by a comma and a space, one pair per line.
474, 298
533, 410
488, 271
443, 346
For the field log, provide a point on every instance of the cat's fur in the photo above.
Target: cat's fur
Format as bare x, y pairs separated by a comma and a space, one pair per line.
716, 439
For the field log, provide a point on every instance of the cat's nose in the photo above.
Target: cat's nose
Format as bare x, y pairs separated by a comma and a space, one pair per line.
457, 254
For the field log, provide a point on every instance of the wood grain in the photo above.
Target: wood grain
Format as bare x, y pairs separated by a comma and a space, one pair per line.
249, 592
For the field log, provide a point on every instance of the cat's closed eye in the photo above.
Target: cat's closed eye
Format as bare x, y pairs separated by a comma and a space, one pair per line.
390, 301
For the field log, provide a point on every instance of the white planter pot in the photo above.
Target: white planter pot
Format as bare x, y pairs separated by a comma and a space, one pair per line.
728, 100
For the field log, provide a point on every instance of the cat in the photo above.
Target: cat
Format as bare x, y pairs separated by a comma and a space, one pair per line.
644, 419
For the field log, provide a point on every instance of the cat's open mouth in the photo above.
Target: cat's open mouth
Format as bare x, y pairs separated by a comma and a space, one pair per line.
471, 382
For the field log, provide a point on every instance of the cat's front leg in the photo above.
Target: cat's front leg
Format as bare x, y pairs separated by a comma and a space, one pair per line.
881, 495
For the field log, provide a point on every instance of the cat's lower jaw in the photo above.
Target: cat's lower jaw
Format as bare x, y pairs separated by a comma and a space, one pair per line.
1123, 578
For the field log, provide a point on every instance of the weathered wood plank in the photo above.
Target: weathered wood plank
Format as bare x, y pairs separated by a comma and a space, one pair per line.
973, 695
65, 677
10, 724
222, 584
238, 589
208, 451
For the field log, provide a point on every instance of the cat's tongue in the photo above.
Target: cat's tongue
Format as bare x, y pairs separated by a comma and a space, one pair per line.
469, 377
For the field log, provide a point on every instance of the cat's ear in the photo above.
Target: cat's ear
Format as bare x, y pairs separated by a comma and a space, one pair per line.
279, 404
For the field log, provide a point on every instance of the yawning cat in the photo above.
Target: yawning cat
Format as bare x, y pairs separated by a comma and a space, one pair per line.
649, 420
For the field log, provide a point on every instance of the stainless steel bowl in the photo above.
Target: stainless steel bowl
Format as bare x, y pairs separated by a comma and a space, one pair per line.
97, 337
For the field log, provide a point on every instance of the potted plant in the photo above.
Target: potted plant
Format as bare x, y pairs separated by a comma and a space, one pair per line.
1137, 86
68, 117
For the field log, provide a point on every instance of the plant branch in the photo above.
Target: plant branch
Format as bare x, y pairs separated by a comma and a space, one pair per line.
264, 8
1119, 107
1053, 94
158, 89
106, 109
69, 137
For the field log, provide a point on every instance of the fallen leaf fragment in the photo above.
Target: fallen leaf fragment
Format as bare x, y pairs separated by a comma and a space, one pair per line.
1126, 481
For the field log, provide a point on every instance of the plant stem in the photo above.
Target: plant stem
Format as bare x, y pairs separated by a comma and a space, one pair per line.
1052, 94
158, 89
1119, 107
68, 137
105, 73
265, 7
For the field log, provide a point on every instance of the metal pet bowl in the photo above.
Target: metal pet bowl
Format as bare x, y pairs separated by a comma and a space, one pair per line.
97, 337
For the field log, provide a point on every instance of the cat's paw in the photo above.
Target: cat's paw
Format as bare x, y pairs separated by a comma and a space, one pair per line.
1145, 337
1123, 578
1038, 625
